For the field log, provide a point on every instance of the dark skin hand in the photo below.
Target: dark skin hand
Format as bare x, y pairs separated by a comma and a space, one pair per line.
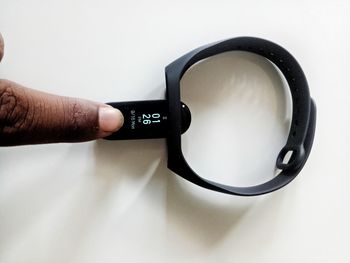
29, 116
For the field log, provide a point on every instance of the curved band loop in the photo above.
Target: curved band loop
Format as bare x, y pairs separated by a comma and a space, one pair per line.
302, 129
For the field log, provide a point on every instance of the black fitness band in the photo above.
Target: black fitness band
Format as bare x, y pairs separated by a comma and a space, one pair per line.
170, 118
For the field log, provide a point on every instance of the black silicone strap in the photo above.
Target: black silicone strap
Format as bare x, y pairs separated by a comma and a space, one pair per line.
302, 129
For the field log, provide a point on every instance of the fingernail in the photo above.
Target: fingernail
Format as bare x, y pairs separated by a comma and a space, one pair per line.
110, 119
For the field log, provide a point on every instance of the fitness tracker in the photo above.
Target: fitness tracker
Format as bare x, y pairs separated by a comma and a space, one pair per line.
170, 118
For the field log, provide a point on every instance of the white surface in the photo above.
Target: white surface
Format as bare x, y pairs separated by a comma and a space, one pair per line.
116, 201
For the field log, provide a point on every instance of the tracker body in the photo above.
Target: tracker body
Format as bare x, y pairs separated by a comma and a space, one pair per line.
169, 118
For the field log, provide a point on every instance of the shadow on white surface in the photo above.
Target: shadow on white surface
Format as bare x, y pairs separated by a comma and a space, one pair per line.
204, 217
195, 218
200, 218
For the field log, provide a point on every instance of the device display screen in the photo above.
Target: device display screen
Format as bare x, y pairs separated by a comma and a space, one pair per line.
142, 119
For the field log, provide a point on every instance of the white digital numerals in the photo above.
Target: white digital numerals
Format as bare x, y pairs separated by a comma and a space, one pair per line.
150, 118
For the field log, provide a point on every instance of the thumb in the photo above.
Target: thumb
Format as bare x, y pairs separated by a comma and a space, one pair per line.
29, 116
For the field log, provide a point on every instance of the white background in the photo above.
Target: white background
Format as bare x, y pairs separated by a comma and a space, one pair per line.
116, 201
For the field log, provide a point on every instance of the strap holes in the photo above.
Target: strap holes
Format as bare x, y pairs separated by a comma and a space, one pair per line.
288, 69
293, 79
296, 122
294, 133
281, 60
272, 54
